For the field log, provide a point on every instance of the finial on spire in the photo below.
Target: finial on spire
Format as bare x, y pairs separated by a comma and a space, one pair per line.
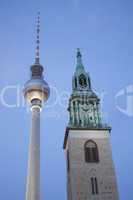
79, 61
78, 52
37, 57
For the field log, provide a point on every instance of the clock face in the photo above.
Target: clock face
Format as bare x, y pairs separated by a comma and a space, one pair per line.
82, 81
87, 113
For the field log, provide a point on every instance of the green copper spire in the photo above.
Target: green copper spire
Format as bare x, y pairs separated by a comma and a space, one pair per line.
81, 79
84, 105
80, 66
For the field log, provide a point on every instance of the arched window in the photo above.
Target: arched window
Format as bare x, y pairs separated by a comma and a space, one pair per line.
82, 80
91, 152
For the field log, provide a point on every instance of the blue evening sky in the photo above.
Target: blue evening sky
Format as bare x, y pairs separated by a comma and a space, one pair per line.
103, 30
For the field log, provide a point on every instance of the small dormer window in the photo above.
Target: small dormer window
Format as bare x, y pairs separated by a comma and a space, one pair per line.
82, 80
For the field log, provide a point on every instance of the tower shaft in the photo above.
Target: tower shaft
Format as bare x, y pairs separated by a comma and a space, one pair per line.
36, 92
33, 181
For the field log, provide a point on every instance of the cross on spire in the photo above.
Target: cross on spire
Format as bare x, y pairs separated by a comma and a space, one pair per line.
37, 56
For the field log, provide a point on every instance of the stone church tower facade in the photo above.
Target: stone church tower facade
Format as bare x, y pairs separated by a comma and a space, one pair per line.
90, 168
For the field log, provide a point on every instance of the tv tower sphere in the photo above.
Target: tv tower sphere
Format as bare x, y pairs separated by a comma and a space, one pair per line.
36, 90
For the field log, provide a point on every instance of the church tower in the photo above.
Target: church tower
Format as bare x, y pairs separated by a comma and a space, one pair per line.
90, 168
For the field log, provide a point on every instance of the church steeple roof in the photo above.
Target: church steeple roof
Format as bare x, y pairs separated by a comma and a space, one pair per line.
79, 65
81, 79
84, 103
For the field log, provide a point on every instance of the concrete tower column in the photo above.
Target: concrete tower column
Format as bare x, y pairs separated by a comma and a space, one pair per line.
33, 181
36, 92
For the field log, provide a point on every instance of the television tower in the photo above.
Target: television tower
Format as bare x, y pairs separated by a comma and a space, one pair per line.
36, 92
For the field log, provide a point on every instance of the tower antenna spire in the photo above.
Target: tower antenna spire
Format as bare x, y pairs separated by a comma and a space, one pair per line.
37, 56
